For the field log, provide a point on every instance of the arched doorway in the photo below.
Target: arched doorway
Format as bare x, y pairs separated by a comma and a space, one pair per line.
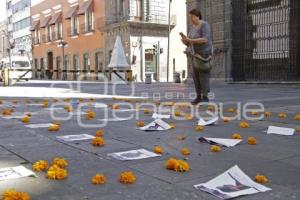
49, 65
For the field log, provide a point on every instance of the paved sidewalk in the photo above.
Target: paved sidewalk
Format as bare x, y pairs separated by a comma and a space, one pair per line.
277, 157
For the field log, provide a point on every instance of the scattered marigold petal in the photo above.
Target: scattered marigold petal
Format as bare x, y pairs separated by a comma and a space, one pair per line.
26, 119
127, 178
99, 133
282, 115
215, 148
98, 142
268, 114
158, 150
140, 124
180, 137
297, 117
199, 128
56, 173
236, 136
98, 179
244, 125
12, 194
54, 127
261, 179
185, 151
252, 141
40, 165
60, 162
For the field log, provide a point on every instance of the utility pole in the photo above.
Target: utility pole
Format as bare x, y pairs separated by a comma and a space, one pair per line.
168, 56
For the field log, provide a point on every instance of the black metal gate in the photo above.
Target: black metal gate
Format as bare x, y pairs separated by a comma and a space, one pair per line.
266, 40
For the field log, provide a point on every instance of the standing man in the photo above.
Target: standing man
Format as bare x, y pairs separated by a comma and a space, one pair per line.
199, 52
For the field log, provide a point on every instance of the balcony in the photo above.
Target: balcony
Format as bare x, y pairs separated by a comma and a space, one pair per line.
86, 28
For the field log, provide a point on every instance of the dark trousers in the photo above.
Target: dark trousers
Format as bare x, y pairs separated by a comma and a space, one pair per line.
201, 82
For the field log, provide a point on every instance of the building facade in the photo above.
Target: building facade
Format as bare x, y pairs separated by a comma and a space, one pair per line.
144, 27
67, 42
254, 40
19, 20
3, 40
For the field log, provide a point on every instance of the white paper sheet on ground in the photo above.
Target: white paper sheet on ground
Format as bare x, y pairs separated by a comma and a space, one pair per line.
13, 117
231, 184
156, 125
133, 155
35, 104
160, 116
212, 121
53, 109
100, 105
280, 131
70, 138
113, 119
221, 141
125, 110
14, 172
42, 125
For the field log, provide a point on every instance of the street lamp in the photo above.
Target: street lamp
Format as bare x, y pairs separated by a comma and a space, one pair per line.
169, 31
63, 44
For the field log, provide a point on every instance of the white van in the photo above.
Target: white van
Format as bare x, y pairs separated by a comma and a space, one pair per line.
20, 66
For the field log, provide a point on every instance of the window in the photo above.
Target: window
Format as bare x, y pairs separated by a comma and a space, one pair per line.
75, 67
19, 25
86, 65
36, 66
48, 37
42, 68
139, 8
58, 31
74, 25
89, 21
98, 63
37, 36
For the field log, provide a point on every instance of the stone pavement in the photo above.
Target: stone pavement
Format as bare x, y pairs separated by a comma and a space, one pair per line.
277, 157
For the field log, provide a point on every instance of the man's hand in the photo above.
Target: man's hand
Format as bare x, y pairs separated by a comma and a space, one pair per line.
185, 40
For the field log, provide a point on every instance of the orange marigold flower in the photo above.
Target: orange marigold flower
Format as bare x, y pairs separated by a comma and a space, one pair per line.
226, 119
147, 111
298, 129
67, 100
1, 102
15, 101
40, 165
211, 108
6, 112
177, 165
68, 108
261, 179
185, 151
177, 113
188, 117
255, 113
45, 104
99, 133
170, 104
12, 194
140, 124
172, 125
54, 127
231, 110
98, 142
115, 107
297, 117
268, 114
56, 173
282, 115
158, 150
215, 148
98, 179
244, 125
60, 162
127, 177
180, 137
26, 119
252, 141
199, 128
90, 115
236, 136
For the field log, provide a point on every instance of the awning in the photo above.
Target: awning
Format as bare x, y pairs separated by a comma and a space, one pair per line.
55, 19
86, 6
71, 12
45, 22
35, 25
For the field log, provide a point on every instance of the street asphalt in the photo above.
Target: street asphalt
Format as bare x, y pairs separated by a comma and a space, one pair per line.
277, 157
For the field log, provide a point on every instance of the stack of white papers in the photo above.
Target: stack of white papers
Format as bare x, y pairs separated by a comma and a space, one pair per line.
280, 131
220, 141
212, 121
14, 172
156, 125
